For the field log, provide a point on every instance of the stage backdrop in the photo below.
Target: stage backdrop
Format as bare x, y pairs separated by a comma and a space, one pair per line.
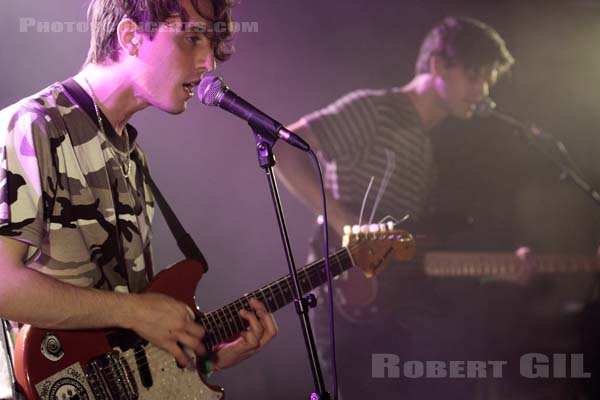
297, 57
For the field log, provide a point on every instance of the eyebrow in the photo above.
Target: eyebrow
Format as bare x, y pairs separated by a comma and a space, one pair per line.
195, 27
199, 28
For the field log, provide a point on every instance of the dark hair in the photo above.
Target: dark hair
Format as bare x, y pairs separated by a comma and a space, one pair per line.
104, 17
466, 42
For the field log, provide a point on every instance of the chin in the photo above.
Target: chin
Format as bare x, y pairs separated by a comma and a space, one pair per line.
182, 107
174, 109
178, 111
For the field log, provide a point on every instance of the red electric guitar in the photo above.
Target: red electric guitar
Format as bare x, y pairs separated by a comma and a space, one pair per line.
117, 364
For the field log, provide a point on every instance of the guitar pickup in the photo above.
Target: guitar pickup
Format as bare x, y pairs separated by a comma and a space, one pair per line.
110, 377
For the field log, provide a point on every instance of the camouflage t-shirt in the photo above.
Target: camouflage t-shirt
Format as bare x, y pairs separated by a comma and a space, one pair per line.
63, 191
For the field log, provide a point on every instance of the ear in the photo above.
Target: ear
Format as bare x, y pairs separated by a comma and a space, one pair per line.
437, 66
129, 38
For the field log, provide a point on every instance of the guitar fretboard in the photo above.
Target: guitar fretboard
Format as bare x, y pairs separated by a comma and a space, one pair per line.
225, 323
493, 264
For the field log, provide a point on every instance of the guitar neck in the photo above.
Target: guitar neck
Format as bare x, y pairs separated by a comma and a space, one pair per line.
493, 264
225, 323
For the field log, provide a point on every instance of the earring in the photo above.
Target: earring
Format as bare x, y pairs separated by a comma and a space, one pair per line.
135, 41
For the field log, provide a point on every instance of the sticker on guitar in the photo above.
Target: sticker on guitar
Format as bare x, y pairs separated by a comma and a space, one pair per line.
68, 384
108, 364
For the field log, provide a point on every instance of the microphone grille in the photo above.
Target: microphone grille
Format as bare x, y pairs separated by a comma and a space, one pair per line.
209, 90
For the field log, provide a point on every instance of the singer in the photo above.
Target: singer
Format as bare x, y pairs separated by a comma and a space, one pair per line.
75, 209
462, 189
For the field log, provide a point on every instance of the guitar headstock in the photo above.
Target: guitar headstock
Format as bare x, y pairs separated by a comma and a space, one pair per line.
373, 246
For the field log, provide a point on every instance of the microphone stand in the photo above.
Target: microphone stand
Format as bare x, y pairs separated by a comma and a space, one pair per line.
567, 171
264, 147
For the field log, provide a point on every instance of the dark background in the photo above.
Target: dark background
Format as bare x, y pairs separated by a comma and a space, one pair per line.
304, 55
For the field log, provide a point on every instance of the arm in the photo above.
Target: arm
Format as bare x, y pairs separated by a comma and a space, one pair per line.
31, 297
298, 174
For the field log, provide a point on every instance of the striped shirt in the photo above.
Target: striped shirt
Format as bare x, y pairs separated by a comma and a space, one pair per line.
375, 134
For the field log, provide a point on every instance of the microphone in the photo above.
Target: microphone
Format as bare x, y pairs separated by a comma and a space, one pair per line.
487, 108
213, 91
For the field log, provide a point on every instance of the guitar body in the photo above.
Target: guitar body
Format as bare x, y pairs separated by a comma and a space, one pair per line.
357, 299
52, 364
111, 364
354, 295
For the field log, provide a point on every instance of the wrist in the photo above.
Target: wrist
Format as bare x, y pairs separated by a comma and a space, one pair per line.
127, 310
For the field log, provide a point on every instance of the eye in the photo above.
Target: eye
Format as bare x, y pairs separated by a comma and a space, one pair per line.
195, 39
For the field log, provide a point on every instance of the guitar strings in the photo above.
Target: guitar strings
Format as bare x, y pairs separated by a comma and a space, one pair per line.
309, 271
162, 357
166, 357
364, 201
387, 175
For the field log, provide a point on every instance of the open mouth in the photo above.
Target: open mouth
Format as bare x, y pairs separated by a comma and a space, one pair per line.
190, 86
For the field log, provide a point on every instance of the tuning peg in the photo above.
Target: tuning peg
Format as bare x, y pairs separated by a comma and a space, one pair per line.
382, 228
347, 229
374, 228
391, 225
403, 237
355, 229
364, 228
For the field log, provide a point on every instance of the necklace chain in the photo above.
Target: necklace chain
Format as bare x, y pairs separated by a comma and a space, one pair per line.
125, 166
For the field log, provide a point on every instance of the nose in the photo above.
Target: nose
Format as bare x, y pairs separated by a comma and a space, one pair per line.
204, 60
210, 63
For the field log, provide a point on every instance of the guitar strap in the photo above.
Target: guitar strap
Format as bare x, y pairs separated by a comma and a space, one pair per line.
184, 241
8, 350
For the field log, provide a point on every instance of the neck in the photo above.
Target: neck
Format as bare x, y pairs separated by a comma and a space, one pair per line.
112, 92
430, 107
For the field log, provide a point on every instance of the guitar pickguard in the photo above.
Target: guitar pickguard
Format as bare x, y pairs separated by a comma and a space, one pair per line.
169, 382
103, 364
